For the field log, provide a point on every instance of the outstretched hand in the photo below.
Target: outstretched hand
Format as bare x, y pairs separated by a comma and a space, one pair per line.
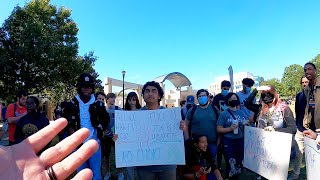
21, 162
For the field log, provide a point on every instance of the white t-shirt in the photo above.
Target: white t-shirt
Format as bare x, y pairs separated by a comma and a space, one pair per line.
85, 121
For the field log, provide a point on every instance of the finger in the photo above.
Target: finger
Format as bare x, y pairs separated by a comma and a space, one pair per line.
61, 150
67, 166
84, 174
307, 135
45, 135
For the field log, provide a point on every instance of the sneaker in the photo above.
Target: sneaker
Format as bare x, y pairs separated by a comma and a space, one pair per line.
120, 176
107, 176
293, 176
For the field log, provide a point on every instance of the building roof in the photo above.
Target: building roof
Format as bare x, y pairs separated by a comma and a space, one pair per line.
176, 78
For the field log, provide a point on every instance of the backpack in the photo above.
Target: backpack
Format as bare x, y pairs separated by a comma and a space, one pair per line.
184, 111
5, 126
193, 110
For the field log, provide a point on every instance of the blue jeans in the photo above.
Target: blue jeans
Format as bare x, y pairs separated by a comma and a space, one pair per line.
169, 174
93, 163
130, 173
213, 148
233, 153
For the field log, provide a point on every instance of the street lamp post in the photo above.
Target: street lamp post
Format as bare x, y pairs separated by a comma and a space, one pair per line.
123, 75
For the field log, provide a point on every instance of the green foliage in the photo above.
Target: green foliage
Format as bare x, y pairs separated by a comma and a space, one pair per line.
276, 83
66, 90
291, 80
316, 61
39, 51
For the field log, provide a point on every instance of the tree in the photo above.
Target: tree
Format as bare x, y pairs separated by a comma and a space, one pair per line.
65, 90
291, 79
276, 84
316, 61
39, 50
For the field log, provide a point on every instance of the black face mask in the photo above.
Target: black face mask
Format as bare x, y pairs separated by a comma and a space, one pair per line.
234, 103
267, 97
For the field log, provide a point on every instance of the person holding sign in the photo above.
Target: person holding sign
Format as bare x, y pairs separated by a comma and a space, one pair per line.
313, 135
308, 116
200, 162
152, 94
230, 124
272, 113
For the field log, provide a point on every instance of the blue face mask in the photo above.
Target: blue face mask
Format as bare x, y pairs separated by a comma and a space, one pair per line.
248, 89
203, 100
224, 92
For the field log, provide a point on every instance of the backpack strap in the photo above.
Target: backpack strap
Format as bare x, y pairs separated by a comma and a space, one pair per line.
231, 114
193, 110
215, 110
14, 109
183, 117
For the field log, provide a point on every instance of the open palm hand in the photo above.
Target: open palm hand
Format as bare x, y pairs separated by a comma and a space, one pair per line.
21, 162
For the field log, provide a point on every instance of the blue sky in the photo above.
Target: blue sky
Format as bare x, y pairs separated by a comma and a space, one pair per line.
200, 39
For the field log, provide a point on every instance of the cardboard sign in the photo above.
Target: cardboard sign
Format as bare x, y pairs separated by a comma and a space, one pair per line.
312, 157
149, 137
267, 153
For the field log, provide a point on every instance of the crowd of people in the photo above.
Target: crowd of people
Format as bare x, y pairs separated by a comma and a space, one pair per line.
212, 129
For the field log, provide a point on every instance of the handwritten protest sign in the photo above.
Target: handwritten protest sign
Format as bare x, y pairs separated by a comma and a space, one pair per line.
267, 153
150, 137
312, 155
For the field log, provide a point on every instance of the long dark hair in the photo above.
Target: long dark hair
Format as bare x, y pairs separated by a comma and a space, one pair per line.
130, 96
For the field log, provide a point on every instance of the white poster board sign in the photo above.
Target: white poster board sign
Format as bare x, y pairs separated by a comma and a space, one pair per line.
149, 137
267, 153
312, 157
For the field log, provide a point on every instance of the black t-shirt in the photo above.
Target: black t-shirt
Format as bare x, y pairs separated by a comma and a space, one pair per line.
28, 125
219, 102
